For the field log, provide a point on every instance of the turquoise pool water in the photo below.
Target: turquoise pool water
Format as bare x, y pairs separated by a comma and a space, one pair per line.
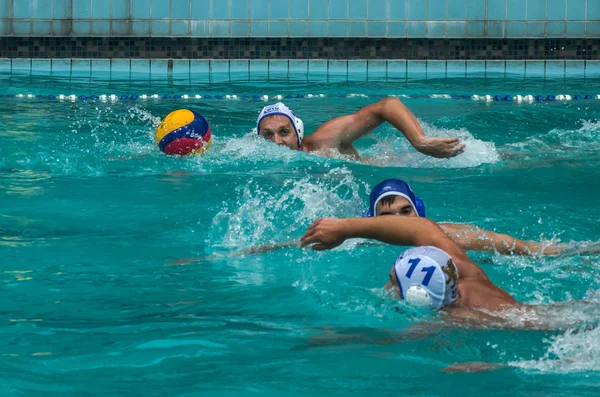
94, 220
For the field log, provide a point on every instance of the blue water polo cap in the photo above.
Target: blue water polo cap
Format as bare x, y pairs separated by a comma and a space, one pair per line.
394, 187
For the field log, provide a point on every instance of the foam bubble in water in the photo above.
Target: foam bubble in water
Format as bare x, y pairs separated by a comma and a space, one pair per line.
562, 142
395, 150
586, 137
391, 150
252, 148
123, 133
142, 116
259, 216
87, 137
574, 351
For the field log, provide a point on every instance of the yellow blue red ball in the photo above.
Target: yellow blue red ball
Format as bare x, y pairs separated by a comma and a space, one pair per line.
183, 132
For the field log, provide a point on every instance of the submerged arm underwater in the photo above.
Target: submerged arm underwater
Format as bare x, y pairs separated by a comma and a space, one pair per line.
473, 239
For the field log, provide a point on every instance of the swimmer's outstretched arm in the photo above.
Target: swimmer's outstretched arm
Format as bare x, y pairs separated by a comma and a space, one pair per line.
586, 248
470, 237
253, 250
261, 249
268, 248
328, 337
328, 233
345, 337
341, 132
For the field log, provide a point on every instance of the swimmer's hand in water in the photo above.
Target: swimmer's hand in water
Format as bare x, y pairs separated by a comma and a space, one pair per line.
440, 147
324, 234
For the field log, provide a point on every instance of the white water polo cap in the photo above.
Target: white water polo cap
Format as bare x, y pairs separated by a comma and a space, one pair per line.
280, 109
427, 277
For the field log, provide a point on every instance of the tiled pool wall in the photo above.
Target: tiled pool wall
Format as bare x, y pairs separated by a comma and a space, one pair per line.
302, 18
259, 69
353, 37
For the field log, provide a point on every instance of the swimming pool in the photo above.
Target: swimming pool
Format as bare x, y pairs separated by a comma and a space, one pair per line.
94, 220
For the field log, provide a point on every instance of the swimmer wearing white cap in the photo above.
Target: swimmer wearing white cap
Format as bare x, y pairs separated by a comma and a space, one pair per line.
277, 123
437, 274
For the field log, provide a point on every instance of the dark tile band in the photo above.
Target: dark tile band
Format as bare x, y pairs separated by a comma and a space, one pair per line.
298, 48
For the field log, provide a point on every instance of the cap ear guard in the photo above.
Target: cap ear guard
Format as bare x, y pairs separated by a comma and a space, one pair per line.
299, 130
420, 206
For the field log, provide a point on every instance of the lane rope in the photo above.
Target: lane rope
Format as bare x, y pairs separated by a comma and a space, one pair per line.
265, 98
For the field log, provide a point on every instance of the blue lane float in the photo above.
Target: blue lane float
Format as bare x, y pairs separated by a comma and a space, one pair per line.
272, 98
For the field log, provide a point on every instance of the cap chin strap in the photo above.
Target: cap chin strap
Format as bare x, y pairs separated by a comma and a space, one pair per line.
299, 131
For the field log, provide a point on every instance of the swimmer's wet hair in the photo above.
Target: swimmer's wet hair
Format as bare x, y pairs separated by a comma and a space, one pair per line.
393, 187
388, 200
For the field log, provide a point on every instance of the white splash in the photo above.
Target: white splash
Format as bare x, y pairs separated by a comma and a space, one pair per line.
252, 149
394, 150
561, 142
576, 350
262, 216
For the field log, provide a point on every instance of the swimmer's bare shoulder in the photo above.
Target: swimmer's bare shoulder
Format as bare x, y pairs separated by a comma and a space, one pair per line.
481, 293
324, 145
331, 135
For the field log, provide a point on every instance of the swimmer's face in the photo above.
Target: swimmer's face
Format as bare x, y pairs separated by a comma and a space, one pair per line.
395, 205
392, 285
279, 129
